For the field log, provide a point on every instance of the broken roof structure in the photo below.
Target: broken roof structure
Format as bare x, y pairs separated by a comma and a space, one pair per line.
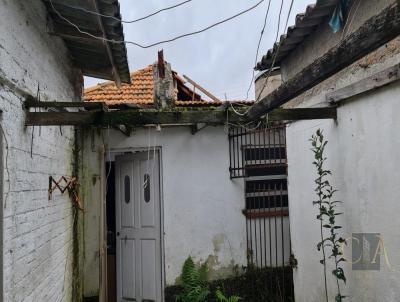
88, 36
141, 92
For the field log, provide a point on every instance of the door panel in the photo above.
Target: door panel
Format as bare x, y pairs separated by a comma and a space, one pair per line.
139, 268
149, 271
128, 268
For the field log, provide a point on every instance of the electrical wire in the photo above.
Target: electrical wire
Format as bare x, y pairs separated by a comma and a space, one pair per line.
276, 39
277, 50
156, 43
256, 58
347, 26
131, 21
273, 61
108, 172
6, 165
258, 49
147, 179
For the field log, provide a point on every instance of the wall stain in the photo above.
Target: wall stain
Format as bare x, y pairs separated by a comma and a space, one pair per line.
216, 271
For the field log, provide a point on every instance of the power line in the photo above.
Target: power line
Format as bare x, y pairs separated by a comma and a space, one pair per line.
276, 54
131, 21
157, 43
276, 39
273, 61
277, 50
258, 49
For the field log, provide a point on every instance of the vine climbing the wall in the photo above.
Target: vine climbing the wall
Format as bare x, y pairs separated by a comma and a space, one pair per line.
327, 216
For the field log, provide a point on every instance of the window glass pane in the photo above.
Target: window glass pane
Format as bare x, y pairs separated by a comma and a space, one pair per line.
147, 188
127, 185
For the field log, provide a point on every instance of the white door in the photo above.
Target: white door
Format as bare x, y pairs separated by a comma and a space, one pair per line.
138, 210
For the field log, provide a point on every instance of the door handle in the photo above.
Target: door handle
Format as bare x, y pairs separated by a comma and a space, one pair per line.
148, 300
129, 299
117, 233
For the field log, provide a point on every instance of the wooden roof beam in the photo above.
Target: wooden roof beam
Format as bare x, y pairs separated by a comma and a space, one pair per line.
153, 117
206, 92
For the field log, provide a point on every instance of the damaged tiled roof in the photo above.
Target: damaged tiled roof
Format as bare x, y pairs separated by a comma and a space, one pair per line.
305, 25
140, 92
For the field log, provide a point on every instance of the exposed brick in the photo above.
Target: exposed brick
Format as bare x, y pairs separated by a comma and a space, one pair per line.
37, 243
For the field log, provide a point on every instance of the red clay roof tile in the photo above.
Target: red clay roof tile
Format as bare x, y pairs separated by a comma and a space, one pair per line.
140, 92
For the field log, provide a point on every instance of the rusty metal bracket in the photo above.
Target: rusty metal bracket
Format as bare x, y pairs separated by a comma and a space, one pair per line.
65, 183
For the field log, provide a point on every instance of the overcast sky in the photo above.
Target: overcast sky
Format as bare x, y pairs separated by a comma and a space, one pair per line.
220, 59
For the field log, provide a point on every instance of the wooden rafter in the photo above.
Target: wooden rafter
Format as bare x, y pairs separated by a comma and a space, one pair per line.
115, 72
206, 92
89, 50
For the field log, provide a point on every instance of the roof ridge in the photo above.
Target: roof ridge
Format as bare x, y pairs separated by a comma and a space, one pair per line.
141, 69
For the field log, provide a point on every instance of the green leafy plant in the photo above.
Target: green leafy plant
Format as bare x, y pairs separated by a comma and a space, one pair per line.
222, 298
327, 215
194, 282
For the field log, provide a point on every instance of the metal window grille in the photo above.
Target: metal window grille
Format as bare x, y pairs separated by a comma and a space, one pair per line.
259, 156
257, 152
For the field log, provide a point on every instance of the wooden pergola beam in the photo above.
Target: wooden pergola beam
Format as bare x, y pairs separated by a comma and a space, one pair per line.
375, 32
152, 117
33, 103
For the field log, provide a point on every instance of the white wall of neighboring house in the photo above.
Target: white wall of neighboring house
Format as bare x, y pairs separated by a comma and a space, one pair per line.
363, 156
202, 205
37, 245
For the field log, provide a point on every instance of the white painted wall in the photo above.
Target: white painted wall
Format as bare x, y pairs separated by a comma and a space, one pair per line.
37, 247
363, 156
202, 206
92, 221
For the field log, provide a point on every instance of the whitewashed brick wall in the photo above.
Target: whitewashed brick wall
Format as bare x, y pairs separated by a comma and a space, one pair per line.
37, 245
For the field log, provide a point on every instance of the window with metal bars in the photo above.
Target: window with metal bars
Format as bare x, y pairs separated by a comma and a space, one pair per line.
259, 156
257, 152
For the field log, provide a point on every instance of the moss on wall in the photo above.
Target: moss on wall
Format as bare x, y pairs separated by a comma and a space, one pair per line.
256, 285
76, 267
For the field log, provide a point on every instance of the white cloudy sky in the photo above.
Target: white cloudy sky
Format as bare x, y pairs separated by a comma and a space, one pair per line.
220, 59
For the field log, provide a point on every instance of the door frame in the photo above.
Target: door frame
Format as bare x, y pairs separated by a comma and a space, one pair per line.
111, 156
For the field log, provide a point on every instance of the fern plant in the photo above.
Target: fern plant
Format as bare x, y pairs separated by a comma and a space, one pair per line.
222, 298
327, 214
194, 282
